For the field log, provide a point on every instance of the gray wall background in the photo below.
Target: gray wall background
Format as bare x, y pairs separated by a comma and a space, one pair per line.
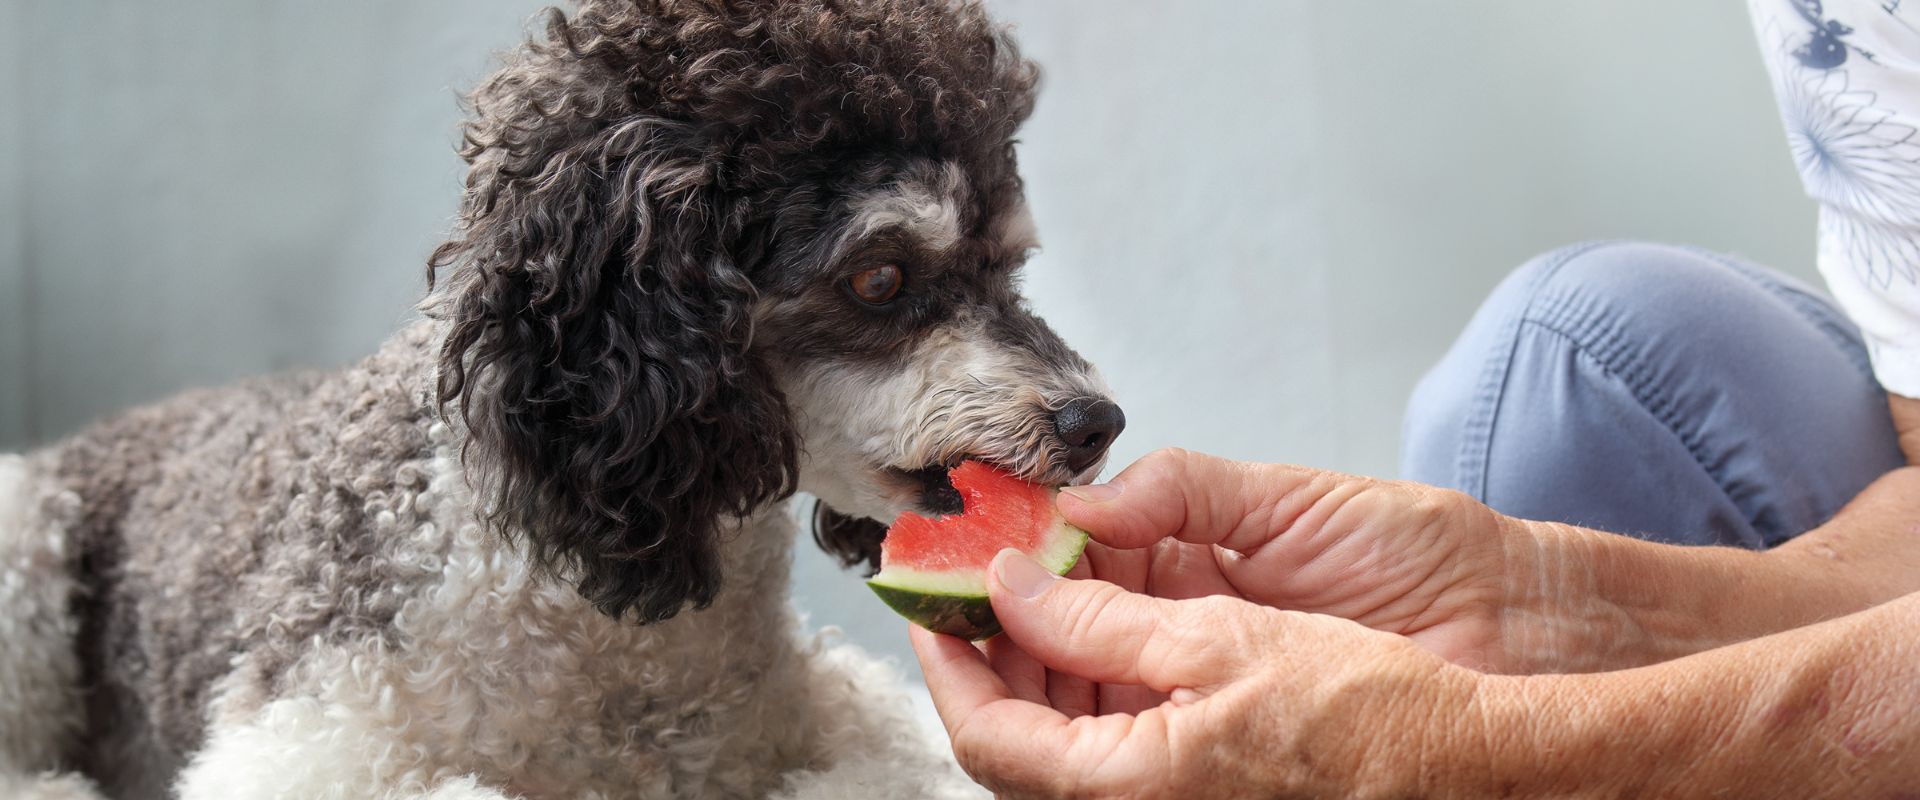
1262, 219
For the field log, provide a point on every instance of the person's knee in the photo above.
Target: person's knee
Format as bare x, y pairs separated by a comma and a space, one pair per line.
1463, 389
1718, 373
1656, 287
1620, 272
1653, 291
1592, 294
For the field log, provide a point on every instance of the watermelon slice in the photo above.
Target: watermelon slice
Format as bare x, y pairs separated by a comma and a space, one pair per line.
934, 571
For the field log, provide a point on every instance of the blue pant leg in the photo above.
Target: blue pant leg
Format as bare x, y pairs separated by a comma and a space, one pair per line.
1657, 391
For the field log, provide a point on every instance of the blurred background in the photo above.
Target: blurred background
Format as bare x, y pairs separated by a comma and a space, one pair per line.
1263, 219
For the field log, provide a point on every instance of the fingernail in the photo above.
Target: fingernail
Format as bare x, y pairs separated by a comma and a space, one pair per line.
1093, 493
1022, 575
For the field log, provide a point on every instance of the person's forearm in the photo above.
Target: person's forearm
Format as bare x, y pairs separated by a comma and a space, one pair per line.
1597, 601
1830, 710
1906, 422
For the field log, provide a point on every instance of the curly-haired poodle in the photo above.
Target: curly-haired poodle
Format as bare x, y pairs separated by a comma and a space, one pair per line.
711, 252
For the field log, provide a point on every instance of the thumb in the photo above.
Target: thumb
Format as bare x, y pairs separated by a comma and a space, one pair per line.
1196, 498
1101, 632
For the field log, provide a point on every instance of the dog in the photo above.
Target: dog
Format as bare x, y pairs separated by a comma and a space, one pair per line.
709, 253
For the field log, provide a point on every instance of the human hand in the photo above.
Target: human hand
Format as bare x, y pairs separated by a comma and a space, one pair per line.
1259, 701
1267, 703
1405, 558
1478, 588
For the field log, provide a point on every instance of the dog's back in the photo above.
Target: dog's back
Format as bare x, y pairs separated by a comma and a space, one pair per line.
162, 543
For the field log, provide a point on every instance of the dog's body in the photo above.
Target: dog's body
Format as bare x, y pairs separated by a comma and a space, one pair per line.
538, 545
285, 583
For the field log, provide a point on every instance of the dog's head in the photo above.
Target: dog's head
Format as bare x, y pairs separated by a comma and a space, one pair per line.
714, 251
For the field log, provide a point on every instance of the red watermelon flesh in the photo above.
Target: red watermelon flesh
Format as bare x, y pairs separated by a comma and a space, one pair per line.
934, 571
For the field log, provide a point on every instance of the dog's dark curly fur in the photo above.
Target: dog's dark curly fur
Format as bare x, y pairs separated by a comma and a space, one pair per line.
634, 178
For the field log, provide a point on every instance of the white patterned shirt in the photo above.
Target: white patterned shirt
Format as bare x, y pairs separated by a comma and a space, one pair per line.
1847, 76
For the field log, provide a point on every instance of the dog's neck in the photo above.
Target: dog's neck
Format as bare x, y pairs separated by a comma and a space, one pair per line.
755, 551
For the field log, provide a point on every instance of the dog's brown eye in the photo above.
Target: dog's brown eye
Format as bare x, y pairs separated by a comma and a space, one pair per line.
877, 285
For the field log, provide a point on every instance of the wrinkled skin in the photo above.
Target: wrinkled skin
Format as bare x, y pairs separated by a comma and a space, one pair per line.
1183, 660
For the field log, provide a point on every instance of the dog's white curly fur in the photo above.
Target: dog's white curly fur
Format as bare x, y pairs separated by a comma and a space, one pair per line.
39, 698
497, 683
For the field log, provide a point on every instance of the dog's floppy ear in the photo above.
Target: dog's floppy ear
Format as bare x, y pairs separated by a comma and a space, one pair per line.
597, 343
854, 541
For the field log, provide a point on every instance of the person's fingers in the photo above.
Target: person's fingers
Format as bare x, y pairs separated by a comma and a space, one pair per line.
1026, 677
1182, 571
1098, 631
958, 676
1120, 698
1071, 694
1006, 743
1197, 498
1169, 568
1124, 568
1020, 749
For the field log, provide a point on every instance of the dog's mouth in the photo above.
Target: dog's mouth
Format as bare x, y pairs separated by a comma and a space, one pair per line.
935, 495
932, 491
855, 540
927, 491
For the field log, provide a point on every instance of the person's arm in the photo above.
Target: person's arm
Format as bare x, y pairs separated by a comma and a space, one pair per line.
1906, 421
1827, 710
1596, 601
1599, 601
1268, 703
1481, 589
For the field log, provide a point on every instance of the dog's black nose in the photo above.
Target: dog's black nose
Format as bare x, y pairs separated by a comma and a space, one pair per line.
1087, 426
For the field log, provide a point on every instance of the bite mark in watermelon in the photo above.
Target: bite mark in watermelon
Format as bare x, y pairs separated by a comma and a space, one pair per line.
934, 571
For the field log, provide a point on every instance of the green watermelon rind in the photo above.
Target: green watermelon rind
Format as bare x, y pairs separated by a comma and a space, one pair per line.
960, 607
